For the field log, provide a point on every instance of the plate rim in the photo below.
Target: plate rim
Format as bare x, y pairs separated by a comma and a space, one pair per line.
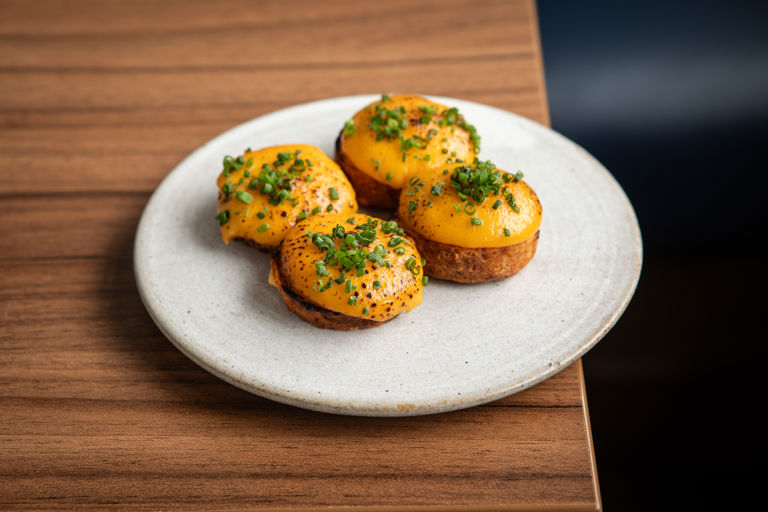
368, 408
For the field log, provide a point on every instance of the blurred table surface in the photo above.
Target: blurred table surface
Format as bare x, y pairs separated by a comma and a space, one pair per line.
99, 101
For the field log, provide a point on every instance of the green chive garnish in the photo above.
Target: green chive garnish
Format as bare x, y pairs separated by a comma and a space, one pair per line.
497, 204
349, 128
366, 310
315, 210
223, 217
244, 197
334, 195
352, 300
507, 232
263, 227
376, 284
388, 177
424, 280
476, 221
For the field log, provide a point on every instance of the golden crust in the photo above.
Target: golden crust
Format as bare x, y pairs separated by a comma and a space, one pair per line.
369, 191
472, 265
315, 315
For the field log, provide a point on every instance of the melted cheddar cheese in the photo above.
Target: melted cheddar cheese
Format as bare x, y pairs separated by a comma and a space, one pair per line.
446, 218
250, 205
441, 140
380, 293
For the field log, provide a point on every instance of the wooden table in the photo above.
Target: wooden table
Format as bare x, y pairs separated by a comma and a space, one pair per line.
100, 99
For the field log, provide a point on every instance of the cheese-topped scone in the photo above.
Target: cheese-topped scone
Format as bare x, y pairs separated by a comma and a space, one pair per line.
348, 271
263, 193
390, 140
471, 223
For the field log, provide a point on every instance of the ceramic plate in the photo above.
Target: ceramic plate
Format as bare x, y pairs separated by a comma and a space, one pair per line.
465, 345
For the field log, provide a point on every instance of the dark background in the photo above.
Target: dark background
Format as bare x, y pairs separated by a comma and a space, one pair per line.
673, 98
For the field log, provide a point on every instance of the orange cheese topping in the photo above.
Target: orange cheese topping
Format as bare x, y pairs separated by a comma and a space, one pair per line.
375, 291
440, 138
447, 218
251, 205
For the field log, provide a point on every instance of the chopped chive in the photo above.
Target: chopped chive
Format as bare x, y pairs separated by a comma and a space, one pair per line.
507, 232
352, 300
366, 310
376, 284
334, 195
388, 177
223, 217
457, 207
303, 214
349, 128
411, 265
351, 220
320, 268
497, 204
424, 280
315, 210
329, 208
399, 250
244, 197
476, 221
263, 227
261, 215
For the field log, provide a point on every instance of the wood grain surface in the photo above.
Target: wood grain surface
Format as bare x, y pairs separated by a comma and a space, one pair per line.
98, 101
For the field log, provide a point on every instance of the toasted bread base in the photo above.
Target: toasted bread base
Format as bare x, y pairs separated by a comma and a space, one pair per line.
315, 315
472, 265
369, 191
254, 244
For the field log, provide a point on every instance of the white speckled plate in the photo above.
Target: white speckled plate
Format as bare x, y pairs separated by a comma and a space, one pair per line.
465, 345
